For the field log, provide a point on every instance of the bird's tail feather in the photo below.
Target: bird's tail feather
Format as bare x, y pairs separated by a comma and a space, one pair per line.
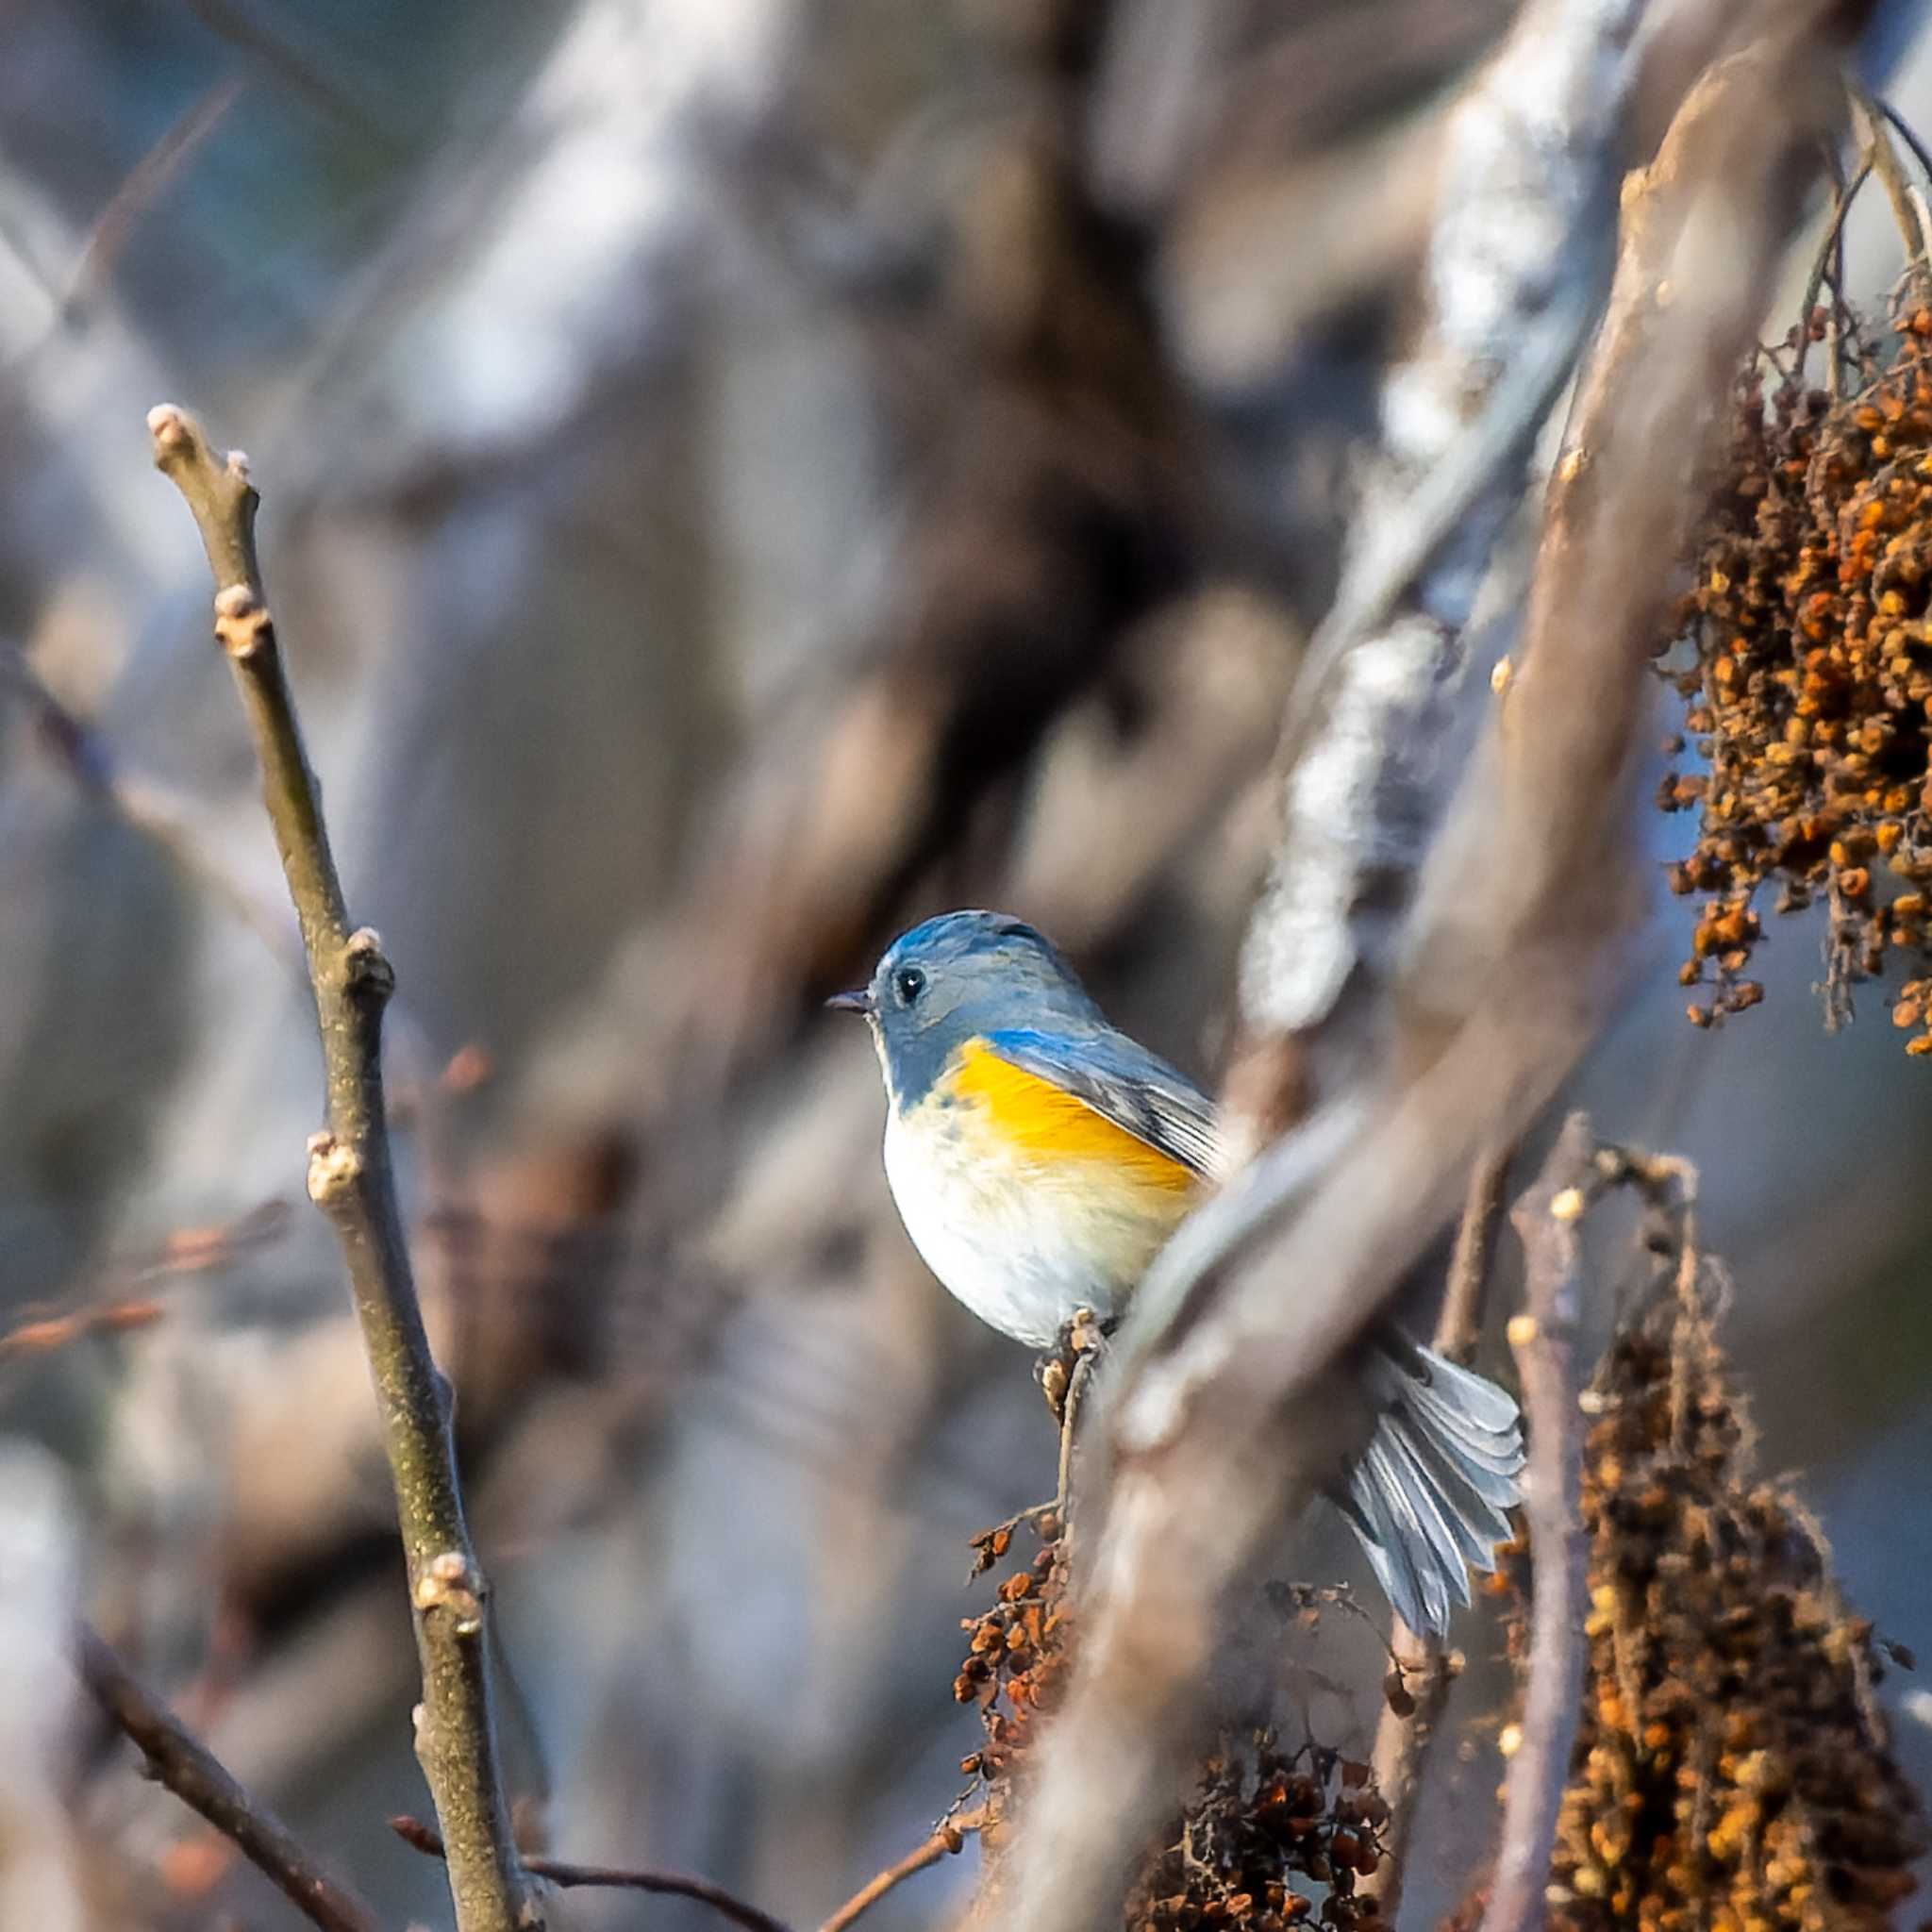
1431, 1494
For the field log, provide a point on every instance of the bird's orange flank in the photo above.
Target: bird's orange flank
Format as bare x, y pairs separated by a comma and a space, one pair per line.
1047, 1123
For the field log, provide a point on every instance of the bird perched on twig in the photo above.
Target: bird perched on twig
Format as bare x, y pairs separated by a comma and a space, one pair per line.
1040, 1159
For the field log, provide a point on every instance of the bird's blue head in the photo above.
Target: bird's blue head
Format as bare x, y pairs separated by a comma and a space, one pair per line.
957, 976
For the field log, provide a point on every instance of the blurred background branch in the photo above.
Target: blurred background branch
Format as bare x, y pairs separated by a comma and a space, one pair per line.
179, 1762
566, 1876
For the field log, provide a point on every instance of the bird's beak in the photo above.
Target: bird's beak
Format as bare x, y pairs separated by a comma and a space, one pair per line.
857, 1001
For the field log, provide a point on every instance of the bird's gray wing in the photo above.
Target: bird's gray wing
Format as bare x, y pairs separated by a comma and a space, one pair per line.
1123, 1083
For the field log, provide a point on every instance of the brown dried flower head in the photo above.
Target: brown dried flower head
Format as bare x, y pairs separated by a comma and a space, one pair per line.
1810, 692
1731, 1770
1269, 1840
1014, 1667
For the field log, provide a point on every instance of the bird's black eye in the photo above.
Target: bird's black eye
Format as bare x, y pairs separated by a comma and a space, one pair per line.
908, 983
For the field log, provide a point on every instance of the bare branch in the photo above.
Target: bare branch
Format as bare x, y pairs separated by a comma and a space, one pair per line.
143, 185
947, 1838
1459, 1326
178, 1759
560, 1872
130, 1295
1503, 956
1425, 1667
1874, 125
148, 808
43, 1334
352, 1180
1404, 1733
1544, 1338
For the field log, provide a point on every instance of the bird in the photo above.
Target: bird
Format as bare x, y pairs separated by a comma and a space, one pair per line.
1039, 1158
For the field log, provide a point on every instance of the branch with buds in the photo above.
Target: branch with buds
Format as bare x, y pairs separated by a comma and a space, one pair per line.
352, 1180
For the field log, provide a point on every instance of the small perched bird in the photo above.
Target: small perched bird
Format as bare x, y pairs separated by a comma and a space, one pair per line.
1040, 1159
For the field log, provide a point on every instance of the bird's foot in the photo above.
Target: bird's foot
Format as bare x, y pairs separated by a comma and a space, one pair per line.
1082, 1337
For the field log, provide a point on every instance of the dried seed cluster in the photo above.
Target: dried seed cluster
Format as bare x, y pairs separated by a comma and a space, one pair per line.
1259, 1819
1810, 691
1731, 1770
1017, 1654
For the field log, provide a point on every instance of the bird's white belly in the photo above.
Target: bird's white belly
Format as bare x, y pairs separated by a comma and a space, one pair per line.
1024, 1247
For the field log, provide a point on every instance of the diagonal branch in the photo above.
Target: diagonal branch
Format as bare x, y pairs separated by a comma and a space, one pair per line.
947, 1838
179, 1761
1515, 273
352, 1180
145, 807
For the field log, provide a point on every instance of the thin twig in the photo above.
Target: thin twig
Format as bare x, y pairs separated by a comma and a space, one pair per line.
131, 1295
143, 185
177, 1760
1831, 251
161, 815
150, 809
1404, 1733
1906, 134
1544, 1339
351, 1179
1459, 1326
1891, 177
1085, 1339
43, 1334
1828, 270
948, 1836
1425, 1667
560, 1872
